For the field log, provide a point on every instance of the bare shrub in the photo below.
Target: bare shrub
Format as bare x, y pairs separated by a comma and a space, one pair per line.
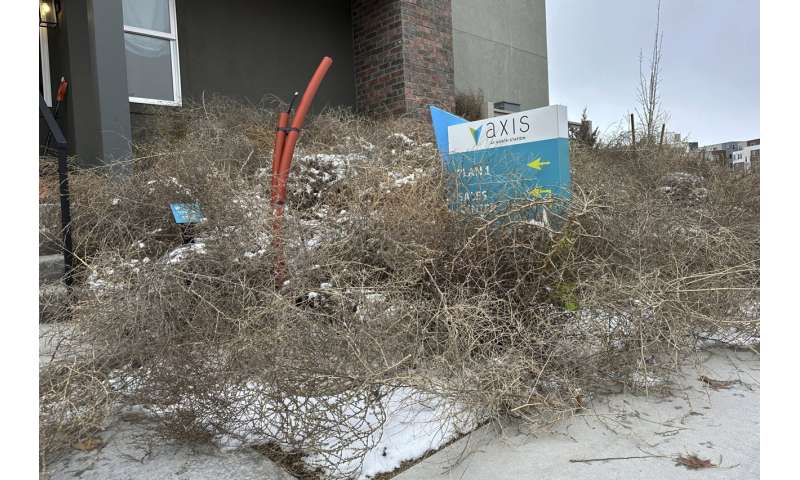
74, 403
391, 294
470, 104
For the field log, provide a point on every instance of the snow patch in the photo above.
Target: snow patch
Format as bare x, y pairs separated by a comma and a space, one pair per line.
184, 251
257, 253
96, 280
406, 141
405, 425
339, 162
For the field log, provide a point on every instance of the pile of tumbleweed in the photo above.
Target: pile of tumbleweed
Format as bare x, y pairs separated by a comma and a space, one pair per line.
390, 291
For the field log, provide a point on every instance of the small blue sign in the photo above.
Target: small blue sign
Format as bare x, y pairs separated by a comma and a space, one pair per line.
185, 213
499, 161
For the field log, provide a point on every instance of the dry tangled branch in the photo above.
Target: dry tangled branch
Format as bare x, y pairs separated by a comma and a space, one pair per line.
393, 298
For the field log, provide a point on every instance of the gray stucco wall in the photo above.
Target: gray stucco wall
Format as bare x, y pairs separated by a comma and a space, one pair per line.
500, 47
107, 49
250, 48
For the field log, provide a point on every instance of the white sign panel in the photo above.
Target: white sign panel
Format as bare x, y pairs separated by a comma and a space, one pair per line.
507, 130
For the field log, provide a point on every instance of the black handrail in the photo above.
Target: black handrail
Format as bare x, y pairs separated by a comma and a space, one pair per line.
63, 188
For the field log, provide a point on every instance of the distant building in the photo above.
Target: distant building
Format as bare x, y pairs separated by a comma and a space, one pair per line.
727, 147
675, 140
672, 138
737, 154
719, 156
747, 157
755, 155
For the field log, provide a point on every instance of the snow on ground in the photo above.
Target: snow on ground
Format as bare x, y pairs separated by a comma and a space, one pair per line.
340, 163
415, 424
364, 438
399, 179
96, 282
374, 438
171, 182
113, 276
313, 232
107, 277
257, 253
179, 254
358, 142
406, 141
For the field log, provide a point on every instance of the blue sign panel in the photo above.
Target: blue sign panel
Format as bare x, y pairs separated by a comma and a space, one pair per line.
496, 163
185, 213
441, 120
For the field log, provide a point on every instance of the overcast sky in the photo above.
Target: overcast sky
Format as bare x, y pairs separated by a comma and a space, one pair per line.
710, 81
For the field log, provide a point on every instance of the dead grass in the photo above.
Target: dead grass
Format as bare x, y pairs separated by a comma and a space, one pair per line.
388, 287
469, 104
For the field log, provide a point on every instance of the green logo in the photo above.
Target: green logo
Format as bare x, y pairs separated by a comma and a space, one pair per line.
476, 133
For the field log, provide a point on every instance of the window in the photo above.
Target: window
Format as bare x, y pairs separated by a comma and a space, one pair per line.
151, 51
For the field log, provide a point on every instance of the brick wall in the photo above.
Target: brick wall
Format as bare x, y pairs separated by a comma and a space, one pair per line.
378, 56
403, 55
428, 54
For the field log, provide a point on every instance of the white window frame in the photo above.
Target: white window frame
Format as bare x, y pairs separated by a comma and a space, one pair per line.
44, 54
176, 62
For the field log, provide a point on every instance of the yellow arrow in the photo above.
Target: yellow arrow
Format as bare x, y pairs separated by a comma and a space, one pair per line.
538, 164
539, 192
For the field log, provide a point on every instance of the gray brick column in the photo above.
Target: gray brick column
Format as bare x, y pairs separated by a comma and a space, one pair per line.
98, 83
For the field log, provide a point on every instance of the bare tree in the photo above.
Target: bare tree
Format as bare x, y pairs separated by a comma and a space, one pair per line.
648, 95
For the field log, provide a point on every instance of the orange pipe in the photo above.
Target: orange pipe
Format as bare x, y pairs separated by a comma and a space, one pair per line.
297, 123
284, 151
279, 269
280, 138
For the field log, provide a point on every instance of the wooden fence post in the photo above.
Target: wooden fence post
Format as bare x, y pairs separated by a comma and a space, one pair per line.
633, 133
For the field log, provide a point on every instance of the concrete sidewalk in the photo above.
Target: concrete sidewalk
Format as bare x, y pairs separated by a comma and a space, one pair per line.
131, 450
719, 425
129, 447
